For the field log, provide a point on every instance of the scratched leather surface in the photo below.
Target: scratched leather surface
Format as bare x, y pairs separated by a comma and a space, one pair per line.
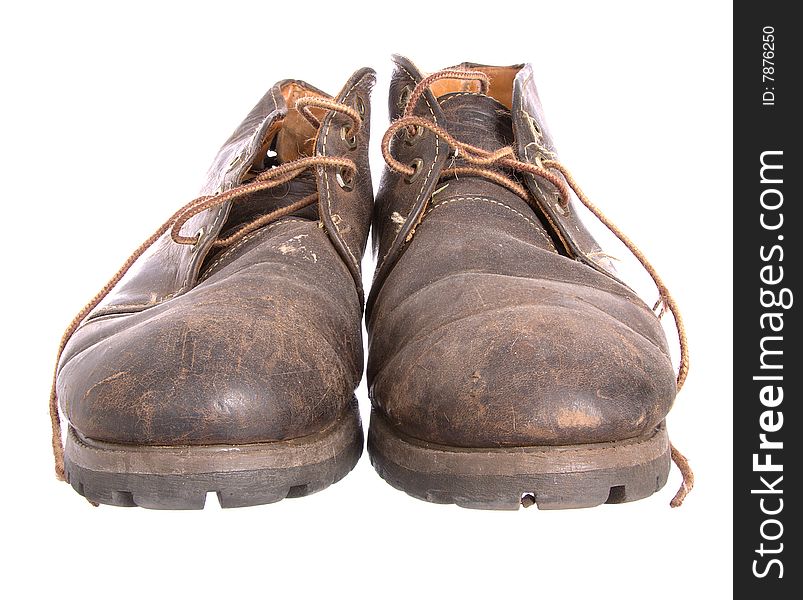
266, 342
484, 328
346, 214
399, 205
168, 269
534, 141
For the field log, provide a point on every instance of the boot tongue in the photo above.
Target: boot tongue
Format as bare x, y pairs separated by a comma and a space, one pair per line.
483, 122
477, 120
266, 201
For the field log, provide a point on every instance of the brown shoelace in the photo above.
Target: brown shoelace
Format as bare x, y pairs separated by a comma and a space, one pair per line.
268, 179
480, 161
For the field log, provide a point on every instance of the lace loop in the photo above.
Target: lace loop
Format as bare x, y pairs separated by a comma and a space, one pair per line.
472, 154
461, 74
303, 104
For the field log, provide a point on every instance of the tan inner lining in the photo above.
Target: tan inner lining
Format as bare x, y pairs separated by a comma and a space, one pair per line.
294, 134
501, 87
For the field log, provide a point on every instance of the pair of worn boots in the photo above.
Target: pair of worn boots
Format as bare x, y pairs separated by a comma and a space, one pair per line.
508, 364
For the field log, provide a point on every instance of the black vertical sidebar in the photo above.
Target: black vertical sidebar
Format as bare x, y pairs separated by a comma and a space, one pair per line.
768, 45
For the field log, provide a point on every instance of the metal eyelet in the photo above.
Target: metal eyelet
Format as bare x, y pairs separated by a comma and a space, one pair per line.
404, 97
345, 179
198, 237
412, 138
561, 206
360, 106
418, 167
351, 140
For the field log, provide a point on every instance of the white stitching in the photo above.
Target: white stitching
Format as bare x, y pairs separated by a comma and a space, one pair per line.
100, 311
455, 95
186, 283
275, 102
207, 273
226, 253
527, 147
476, 198
555, 223
540, 149
426, 179
326, 178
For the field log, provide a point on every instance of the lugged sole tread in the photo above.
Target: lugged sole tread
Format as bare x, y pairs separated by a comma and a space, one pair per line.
117, 475
557, 477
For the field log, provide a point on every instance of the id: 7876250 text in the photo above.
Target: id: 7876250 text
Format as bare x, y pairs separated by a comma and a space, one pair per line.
768, 65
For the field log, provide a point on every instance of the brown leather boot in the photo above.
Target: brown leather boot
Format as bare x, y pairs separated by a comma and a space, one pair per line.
226, 355
508, 365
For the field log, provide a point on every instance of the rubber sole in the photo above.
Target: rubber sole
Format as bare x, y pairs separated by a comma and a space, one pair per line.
549, 477
180, 477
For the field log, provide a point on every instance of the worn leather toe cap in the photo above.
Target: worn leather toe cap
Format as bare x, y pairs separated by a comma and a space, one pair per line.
268, 348
517, 361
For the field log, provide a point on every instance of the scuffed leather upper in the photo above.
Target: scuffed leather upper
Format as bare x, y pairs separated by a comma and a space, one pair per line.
258, 342
488, 324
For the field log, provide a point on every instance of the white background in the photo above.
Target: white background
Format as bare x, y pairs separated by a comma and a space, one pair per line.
109, 117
